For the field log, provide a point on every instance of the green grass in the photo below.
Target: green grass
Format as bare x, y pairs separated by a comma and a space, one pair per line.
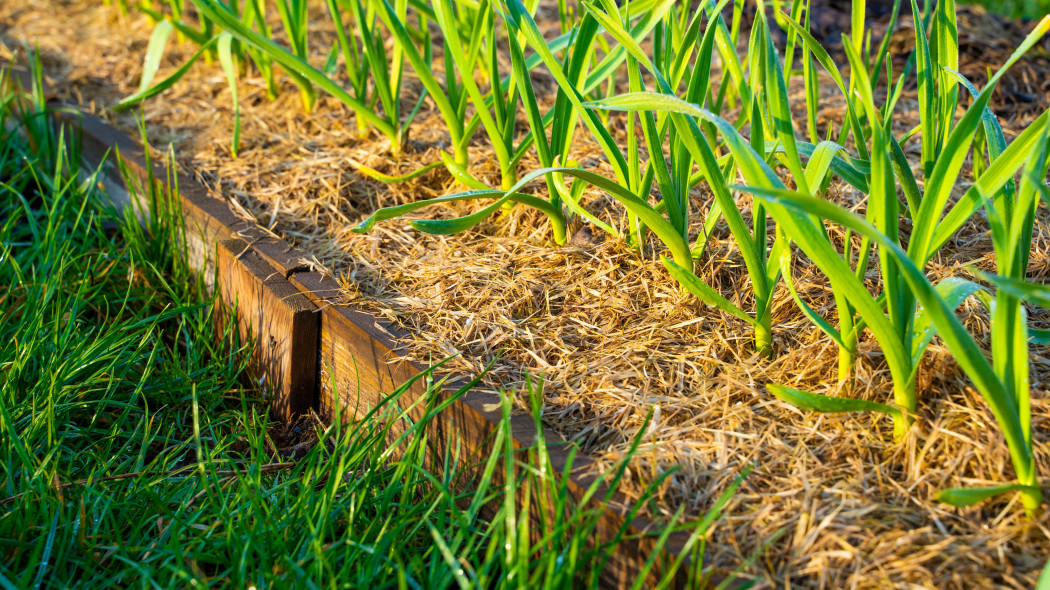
135, 453
1016, 8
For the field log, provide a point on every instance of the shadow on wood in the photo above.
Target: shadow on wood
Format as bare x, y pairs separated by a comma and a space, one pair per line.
282, 321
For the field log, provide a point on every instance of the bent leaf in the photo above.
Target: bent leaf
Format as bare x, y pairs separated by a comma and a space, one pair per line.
632, 202
164, 84
827, 404
154, 52
971, 496
386, 178
703, 291
1024, 290
954, 291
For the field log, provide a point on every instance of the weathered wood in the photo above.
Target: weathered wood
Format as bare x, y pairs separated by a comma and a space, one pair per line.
283, 323
358, 363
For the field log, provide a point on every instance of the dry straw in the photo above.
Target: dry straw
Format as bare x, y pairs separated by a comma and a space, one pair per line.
615, 337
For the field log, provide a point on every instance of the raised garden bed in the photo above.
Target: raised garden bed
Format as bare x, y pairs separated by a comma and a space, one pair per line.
613, 336
308, 348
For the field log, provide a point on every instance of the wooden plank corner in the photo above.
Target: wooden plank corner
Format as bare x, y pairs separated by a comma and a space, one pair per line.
284, 324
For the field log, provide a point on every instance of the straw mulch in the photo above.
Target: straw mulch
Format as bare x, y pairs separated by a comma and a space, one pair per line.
832, 501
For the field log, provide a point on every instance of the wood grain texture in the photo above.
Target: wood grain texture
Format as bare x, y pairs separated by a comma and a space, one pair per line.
282, 322
358, 363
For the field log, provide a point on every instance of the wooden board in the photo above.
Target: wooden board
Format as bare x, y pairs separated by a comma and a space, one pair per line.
355, 357
282, 322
